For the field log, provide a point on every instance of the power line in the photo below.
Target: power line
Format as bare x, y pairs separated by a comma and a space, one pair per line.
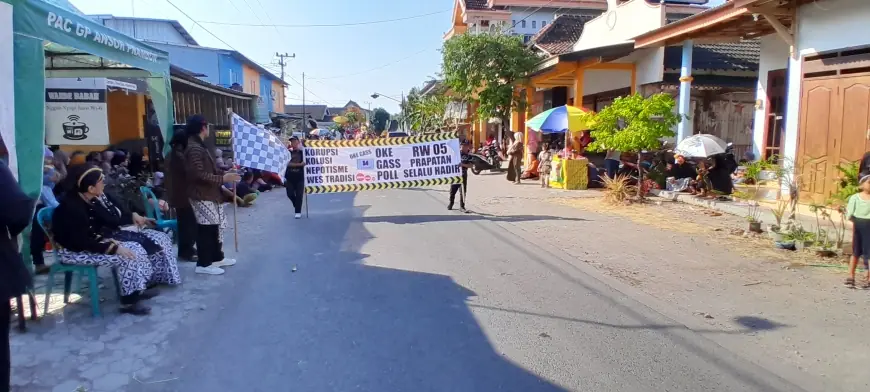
234, 6
529, 15
228, 45
372, 69
268, 17
371, 22
200, 26
306, 88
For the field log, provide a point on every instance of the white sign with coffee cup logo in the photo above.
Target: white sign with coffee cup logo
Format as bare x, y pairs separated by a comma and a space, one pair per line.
75, 111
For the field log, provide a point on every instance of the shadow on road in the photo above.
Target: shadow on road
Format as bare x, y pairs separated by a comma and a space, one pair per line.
749, 324
459, 217
337, 324
383, 329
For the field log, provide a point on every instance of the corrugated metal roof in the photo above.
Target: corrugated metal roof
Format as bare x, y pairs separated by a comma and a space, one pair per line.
174, 23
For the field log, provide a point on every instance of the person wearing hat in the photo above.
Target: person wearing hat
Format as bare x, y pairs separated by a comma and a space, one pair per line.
295, 177
465, 163
858, 211
204, 182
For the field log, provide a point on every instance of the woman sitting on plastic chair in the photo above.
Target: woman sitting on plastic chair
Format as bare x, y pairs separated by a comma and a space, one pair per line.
79, 231
110, 216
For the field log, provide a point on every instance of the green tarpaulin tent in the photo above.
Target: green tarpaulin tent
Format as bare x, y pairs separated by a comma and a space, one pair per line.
55, 26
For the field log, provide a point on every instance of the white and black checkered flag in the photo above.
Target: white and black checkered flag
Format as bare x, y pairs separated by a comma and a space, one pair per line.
258, 148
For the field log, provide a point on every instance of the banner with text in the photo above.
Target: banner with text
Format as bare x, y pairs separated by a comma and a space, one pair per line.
75, 111
384, 163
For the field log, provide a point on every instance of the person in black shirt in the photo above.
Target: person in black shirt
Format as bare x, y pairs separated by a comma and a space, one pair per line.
864, 166
681, 169
465, 163
295, 178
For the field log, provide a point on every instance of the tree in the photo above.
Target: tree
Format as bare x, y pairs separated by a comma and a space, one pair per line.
486, 67
354, 116
634, 124
427, 113
380, 119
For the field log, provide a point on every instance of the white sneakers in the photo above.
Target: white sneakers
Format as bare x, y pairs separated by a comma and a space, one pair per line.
224, 263
215, 268
298, 216
210, 270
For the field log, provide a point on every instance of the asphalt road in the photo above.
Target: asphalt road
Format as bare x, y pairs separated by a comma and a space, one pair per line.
394, 293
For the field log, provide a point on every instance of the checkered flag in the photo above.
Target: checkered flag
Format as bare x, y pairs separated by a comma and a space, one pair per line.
258, 148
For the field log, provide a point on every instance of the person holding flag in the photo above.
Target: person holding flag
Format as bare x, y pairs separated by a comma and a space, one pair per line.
204, 191
294, 176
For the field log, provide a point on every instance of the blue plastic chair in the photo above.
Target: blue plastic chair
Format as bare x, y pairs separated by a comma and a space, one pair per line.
69, 270
153, 211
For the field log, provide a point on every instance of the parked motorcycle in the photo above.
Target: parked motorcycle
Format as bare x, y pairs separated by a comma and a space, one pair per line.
491, 154
479, 163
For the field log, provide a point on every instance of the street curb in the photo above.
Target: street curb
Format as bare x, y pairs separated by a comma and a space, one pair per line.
787, 375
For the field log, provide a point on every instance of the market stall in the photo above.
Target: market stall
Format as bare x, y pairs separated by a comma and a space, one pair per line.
53, 35
570, 170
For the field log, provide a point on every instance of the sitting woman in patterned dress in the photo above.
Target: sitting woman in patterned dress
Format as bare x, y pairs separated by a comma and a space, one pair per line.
110, 216
76, 229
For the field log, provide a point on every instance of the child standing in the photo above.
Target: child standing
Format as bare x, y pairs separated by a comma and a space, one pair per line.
545, 159
858, 211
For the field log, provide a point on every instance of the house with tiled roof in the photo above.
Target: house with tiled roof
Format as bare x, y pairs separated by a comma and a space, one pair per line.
559, 31
517, 17
589, 62
812, 97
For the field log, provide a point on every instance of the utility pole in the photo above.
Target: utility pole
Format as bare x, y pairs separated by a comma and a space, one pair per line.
283, 63
304, 116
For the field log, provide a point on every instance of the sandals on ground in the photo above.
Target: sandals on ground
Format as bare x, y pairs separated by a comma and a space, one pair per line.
850, 283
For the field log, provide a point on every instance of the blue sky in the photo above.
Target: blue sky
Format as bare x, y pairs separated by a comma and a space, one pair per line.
344, 56
340, 63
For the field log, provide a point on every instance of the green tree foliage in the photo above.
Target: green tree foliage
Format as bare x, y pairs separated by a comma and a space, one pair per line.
380, 119
426, 113
486, 67
634, 123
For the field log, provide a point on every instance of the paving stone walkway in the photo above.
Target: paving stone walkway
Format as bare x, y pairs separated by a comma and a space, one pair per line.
69, 350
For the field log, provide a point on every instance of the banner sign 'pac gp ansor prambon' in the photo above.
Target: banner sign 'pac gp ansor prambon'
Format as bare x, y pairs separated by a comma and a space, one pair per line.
371, 164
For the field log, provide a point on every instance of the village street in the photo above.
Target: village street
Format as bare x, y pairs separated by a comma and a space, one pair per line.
391, 292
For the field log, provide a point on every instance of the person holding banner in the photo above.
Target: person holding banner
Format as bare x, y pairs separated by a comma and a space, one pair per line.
294, 176
204, 191
465, 163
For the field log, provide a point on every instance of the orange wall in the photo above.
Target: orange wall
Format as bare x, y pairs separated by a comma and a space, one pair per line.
278, 103
250, 80
125, 116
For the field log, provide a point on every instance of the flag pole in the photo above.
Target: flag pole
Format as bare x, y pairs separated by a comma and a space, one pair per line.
235, 204
304, 188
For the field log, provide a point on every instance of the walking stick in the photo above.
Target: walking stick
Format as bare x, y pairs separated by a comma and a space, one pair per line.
235, 220
305, 199
235, 204
462, 195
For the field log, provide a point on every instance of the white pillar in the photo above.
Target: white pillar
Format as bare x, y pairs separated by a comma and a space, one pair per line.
684, 129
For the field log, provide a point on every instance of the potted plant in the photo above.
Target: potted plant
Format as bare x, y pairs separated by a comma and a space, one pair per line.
801, 237
778, 212
754, 218
769, 169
